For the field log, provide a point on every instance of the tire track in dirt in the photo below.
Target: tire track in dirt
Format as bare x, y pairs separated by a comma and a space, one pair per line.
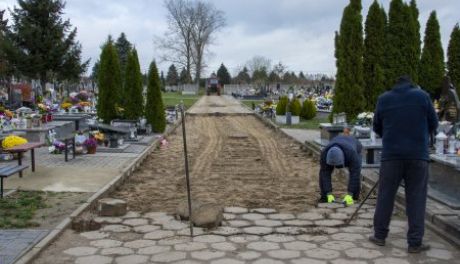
234, 161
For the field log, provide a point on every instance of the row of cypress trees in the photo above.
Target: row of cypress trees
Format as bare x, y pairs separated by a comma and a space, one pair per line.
369, 63
125, 93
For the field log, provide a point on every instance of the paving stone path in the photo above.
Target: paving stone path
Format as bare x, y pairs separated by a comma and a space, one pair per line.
260, 236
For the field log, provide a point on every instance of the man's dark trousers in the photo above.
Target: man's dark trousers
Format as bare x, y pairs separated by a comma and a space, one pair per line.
415, 176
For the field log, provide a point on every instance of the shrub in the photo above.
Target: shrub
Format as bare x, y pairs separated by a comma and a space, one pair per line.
308, 110
295, 107
281, 106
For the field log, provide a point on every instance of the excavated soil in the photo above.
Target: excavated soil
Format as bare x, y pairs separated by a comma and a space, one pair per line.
233, 161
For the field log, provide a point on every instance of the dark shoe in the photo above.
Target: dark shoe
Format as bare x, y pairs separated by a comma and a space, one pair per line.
418, 249
377, 241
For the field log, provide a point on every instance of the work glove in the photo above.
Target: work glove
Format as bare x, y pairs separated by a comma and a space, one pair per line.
348, 200
330, 198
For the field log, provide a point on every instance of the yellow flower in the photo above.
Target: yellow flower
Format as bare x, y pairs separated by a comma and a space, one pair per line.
12, 141
66, 105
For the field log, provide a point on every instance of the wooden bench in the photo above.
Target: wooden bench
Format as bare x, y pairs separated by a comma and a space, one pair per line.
20, 149
7, 171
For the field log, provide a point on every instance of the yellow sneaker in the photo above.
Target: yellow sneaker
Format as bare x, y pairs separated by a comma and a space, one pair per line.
330, 198
348, 200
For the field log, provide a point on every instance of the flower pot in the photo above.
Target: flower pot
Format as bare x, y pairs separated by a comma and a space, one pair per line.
91, 150
49, 117
44, 118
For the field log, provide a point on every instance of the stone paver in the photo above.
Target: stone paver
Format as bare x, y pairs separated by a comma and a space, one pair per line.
207, 254
321, 253
96, 259
81, 251
169, 257
253, 216
132, 259
284, 254
224, 246
310, 216
116, 228
259, 240
105, 243
329, 222
236, 210
191, 246
117, 251
258, 230
248, 255
281, 216
136, 222
239, 223
279, 238
159, 234
95, 235
338, 245
143, 229
299, 245
268, 223
139, 243
226, 231
263, 210
263, 246
209, 239
153, 250
363, 253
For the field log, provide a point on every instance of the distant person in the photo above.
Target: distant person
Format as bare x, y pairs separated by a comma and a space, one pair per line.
404, 118
342, 151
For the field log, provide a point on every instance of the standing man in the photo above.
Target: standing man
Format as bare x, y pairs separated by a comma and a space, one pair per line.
342, 151
404, 118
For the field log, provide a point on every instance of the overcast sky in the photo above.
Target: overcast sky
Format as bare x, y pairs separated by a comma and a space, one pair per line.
299, 33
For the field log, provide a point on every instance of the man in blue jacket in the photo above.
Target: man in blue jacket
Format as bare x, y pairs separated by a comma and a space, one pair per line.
342, 151
404, 118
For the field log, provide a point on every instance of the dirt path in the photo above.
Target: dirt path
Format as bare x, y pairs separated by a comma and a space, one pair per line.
234, 161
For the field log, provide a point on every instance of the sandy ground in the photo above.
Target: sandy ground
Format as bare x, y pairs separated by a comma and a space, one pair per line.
234, 161
218, 104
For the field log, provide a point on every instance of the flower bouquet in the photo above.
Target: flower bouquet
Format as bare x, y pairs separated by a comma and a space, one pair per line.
91, 145
12, 141
66, 106
365, 119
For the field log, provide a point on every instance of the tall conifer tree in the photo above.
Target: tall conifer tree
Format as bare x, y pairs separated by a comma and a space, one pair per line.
453, 57
133, 88
416, 40
349, 52
401, 54
432, 68
109, 83
223, 75
374, 49
154, 109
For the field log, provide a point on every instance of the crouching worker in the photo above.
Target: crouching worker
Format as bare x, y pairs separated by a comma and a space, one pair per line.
342, 151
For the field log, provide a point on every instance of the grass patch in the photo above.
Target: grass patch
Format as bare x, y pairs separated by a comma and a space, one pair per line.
173, 99
17, 210
308, 124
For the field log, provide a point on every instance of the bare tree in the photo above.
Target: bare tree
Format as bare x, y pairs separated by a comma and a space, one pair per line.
177, 41
207, 21
191, 27
258, 63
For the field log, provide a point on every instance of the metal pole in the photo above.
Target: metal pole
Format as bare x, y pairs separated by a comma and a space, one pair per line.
187, 177
362, 203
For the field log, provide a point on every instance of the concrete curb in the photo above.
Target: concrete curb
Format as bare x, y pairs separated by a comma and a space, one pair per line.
33, 252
